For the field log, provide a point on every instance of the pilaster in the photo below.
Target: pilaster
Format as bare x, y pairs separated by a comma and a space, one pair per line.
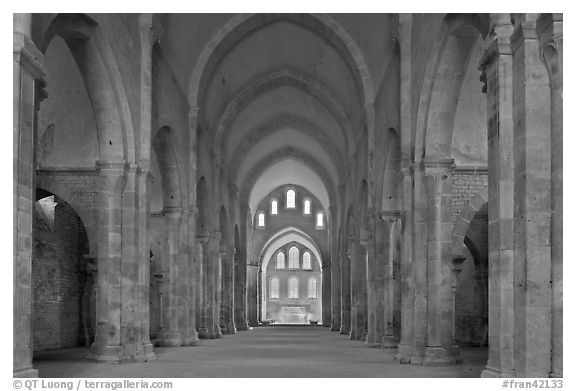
170, 333
27, 74
389, 219
497, 67
550, 34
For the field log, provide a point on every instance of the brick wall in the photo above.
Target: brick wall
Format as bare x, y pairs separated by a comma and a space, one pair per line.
59, 243
466, 183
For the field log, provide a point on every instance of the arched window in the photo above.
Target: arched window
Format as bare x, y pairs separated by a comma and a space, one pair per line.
280, 264
307, 207
306, 263
293, 258
275, 288
319, 220
274, 207
312, 294
293, 288
290, 199
261, 219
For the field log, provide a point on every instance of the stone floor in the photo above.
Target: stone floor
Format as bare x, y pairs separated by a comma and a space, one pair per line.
275, 351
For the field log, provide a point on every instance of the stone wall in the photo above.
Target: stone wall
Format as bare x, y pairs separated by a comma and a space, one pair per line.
59, 243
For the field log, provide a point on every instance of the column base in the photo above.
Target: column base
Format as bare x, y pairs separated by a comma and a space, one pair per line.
147, 352
203, 333
191, 338
109, 353
229, 329
556, 375
403, 353
439, 356
344, 331
242, 326
25, 372
169, 339
335, 327
356, 336
389, 342
490, 372
371, 341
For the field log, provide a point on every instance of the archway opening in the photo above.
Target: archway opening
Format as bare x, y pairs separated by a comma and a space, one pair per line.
291, 282
63, 278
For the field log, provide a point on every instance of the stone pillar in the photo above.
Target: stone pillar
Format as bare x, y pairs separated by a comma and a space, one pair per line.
107, 344
440, 347
252, 289
169, 334
345, 285
419, 267
335, 271
496, 65
188, 279
358, 321
326, 294
204, 305
386, 285
228, 291
215, 261
532, 185
143, 236
404, 351
549, 28
374, 288
240, 273
27, 70
240, 291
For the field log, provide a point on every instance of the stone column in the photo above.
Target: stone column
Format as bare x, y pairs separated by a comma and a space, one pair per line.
374, 288
240, 273
252, 289
215, 287
404, 351
143, 234
228, 291
204, 305
496, 65
240, 291
358, 325
335, 271
549, 28
532, 185
107, 344
440, 347
27, 73
188, 280
169, 334
345, 287
419, 267
134, 269
386, 286
326, 293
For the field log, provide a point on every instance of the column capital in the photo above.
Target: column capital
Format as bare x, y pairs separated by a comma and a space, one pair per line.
438, 166
498, 41
524, 29
389, 216
28, 55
